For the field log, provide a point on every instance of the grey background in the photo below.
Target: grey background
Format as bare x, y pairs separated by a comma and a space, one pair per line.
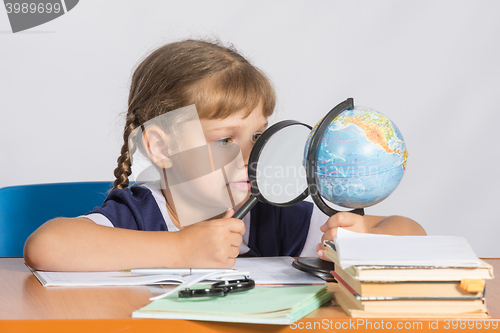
431, 66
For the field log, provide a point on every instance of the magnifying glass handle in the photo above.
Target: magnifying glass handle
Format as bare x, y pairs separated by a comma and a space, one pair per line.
252, 201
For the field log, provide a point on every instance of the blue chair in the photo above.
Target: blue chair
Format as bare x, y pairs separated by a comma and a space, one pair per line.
24, 208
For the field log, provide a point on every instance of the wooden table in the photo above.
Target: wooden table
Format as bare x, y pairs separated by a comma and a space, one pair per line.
25, 305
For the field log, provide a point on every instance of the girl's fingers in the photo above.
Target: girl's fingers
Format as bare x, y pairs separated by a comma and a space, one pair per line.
329, 235
342, 219
229, 213
321, 255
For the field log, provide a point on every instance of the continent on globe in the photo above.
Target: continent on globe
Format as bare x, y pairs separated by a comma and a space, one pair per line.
361, 158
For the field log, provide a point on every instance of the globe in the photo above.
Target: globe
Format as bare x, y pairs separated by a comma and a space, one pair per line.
361, 158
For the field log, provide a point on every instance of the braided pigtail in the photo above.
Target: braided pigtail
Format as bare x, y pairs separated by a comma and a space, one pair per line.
124, 168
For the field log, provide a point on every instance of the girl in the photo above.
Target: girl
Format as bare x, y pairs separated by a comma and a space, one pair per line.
233, 100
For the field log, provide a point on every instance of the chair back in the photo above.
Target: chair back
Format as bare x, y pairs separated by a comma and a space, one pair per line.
24, 208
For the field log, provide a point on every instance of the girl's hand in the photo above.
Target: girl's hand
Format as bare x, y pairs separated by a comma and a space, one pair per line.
212, 244
346, 220
388, 225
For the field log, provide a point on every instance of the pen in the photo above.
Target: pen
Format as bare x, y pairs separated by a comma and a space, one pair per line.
180, 271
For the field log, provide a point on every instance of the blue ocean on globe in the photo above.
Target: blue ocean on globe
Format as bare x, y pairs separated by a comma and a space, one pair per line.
361, 158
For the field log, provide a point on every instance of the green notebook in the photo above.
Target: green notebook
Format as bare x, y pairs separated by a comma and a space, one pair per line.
261, 305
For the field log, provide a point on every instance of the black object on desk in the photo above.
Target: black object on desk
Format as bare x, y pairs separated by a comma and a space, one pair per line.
219, 289
315, 266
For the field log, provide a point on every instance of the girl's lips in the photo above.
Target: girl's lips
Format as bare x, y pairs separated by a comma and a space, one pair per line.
240, 185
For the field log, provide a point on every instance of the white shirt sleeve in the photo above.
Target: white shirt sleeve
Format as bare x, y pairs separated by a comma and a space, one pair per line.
98, 219
318, 218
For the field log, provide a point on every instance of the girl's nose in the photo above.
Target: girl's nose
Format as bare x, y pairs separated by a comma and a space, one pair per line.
245, 152
243, 161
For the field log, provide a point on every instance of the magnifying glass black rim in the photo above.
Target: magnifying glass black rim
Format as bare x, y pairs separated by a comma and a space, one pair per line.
254, 158
312, 153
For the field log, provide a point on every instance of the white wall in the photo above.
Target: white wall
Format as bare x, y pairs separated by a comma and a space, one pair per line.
431, 66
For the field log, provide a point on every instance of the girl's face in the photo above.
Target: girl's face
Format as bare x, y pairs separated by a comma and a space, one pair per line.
237, 130
230, 141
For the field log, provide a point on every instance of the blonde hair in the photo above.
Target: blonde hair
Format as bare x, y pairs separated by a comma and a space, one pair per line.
216, 78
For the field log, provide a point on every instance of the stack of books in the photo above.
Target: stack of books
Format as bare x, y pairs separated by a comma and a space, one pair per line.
407, 276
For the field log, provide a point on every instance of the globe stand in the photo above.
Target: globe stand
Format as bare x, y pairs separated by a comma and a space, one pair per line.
312, 152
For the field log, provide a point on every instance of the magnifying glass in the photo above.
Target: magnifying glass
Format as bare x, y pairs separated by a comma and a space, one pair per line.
275, 167
312, 158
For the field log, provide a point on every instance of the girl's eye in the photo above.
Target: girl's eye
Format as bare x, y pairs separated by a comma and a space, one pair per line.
225, 142
256, 137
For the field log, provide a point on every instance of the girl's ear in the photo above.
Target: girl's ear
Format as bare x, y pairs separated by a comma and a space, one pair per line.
156, 144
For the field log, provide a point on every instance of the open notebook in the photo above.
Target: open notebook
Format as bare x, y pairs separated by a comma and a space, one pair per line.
272, 270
